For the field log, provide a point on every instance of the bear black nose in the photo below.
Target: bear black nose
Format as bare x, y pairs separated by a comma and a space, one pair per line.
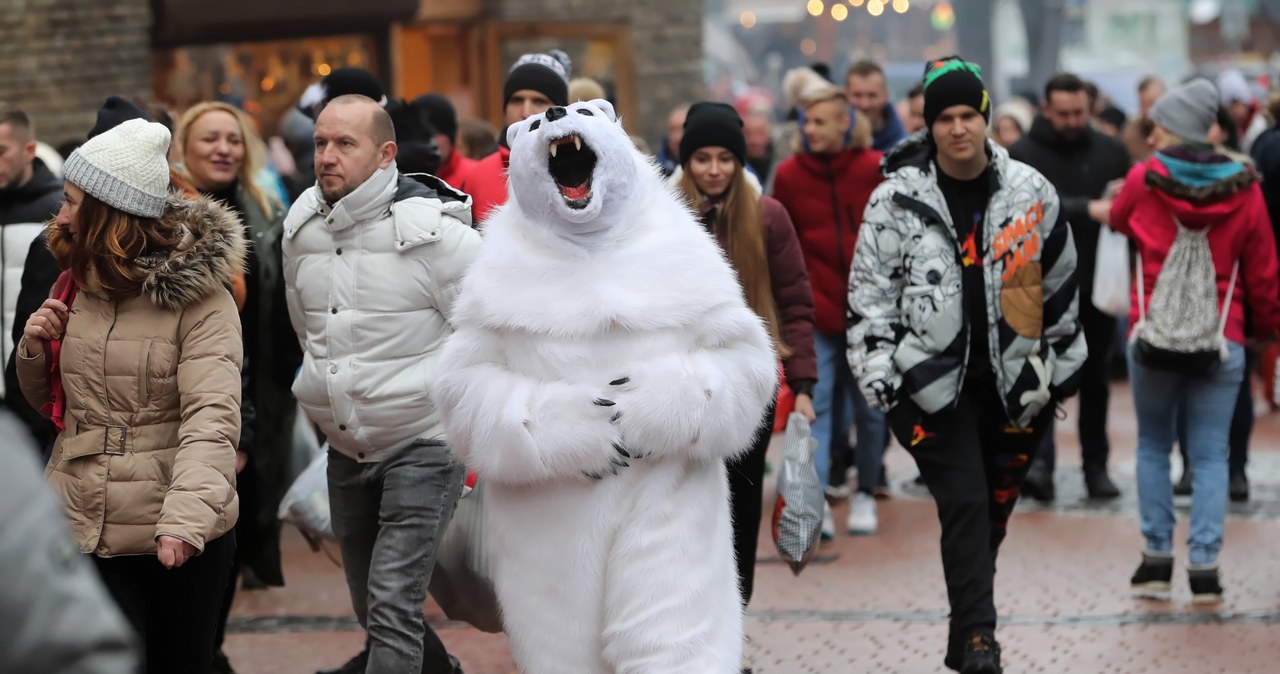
555, 112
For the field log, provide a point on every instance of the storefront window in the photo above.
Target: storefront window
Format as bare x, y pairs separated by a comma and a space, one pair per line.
264, 78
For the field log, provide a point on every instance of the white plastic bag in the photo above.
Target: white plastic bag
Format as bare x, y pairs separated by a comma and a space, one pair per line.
797, 514
1111, 275
306, 504
462, 582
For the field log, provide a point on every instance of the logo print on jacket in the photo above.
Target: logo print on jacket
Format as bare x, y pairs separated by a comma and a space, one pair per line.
1019, 242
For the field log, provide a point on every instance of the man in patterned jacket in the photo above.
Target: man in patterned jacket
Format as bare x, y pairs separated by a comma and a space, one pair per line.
963, 328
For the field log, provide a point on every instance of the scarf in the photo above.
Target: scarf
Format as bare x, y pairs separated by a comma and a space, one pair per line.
64, 290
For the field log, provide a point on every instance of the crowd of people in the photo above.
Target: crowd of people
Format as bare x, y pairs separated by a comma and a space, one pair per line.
924, 271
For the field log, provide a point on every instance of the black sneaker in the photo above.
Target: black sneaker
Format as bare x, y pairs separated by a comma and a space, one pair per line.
1183, 488
981, 655
1039, 485
1153, 579
1238, 487
1206, 588
1099, 484
355, 665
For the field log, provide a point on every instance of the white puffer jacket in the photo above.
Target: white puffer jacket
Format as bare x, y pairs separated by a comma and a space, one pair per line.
371, 283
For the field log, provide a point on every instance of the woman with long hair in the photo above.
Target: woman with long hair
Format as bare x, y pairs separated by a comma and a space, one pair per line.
757, 236
219, 154
1190, 199
136, 359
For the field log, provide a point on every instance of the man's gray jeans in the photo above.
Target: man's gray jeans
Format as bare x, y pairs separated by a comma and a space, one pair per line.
389, 518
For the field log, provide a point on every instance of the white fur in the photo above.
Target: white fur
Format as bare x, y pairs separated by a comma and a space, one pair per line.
633, 573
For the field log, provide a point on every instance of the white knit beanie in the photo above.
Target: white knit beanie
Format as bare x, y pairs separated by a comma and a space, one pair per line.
125, 167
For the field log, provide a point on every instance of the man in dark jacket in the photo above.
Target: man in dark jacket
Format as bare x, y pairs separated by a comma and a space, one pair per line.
869, 94
1080, 162
30, 195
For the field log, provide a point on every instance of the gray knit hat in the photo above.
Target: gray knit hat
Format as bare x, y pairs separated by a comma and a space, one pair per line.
1188, 111
125, 167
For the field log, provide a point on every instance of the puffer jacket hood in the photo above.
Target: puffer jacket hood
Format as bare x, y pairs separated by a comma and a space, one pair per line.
212, 250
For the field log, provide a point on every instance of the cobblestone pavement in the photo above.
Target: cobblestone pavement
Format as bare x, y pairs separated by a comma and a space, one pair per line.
878, 604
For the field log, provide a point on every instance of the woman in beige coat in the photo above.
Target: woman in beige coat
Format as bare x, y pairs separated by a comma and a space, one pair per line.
136, 359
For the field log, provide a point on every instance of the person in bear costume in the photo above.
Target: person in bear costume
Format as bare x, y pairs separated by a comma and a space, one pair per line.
604, 367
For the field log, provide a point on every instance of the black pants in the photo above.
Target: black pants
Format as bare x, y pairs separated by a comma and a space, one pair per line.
1095, 394
246, 535
175, 612
973, 462
746, 482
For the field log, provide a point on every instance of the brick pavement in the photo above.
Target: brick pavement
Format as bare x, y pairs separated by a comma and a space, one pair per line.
877, 604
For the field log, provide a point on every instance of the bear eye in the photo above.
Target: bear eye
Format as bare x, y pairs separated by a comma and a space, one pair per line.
534, 126
587, 112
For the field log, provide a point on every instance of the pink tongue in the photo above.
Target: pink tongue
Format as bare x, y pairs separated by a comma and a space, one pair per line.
576, 193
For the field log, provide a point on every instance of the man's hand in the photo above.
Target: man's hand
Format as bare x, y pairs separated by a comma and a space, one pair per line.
804, 405
173, 552
1100, 211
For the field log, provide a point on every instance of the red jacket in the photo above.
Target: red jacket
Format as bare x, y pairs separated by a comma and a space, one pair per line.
456, 170
487, 184
1240, 229
825, 195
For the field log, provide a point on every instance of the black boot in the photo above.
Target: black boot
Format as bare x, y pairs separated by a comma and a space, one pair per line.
1206, 587
1152, 579
355, 665
1238, 488
1183, 488
981, 655
1099, 484
1039, 484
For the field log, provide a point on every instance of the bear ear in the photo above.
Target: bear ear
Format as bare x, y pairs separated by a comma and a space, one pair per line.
514, 131
604, 106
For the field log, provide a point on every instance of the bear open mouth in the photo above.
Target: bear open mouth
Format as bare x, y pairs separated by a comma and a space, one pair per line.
571, 164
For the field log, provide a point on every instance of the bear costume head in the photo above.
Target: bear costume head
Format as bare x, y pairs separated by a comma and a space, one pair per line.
574, 168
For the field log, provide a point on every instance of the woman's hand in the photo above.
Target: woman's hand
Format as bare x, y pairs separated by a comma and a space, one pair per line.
173, 552
46, 324
804, 405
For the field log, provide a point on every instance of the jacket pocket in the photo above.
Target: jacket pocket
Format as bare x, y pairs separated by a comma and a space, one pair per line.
144, 375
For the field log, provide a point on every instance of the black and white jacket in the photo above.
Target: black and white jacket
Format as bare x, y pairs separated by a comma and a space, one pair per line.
907, 328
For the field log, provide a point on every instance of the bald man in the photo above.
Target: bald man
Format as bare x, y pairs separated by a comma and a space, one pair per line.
372, 259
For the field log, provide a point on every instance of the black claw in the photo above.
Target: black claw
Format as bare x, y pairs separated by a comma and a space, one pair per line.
621, 450
615, 418
594, 476
604, 403
620, 382
620, 464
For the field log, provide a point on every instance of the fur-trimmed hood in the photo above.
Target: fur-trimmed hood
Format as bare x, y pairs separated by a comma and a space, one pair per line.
212, 249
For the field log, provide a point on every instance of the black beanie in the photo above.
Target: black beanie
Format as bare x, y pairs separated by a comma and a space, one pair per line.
710, 124
344, 81
543, 73
440, 112
954, 81
115, 112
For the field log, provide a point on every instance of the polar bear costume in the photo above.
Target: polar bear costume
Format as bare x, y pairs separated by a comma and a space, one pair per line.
605, 366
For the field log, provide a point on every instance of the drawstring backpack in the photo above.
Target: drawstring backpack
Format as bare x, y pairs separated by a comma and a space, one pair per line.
1184, 330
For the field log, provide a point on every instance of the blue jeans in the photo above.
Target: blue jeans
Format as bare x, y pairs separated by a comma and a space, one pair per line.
838, 402
1208, 403
389, 518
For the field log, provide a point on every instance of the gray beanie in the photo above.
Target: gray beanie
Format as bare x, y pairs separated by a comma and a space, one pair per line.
125, 167
1188, 111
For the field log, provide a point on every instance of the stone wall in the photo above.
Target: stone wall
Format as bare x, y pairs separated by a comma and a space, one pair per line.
59, 59
666, 35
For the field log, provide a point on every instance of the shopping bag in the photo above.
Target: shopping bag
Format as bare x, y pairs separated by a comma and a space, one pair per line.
306, 505
462, 582
797, 513
1111, 275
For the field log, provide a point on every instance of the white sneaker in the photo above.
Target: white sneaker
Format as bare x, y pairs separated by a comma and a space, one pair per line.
828, 523
862, 515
